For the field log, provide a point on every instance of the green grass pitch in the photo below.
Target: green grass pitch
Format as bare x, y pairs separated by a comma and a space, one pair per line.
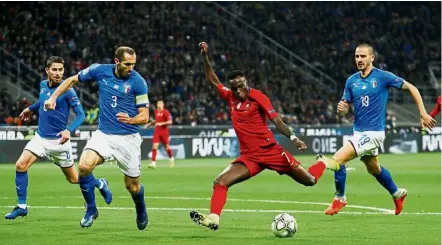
56, 207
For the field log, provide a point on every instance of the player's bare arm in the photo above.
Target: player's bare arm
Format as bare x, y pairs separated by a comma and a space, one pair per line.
342, 108
65, 86
426, 120
164, 123
284, 130
210, 74
141, 118
149, 124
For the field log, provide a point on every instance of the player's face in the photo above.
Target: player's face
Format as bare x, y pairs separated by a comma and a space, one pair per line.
363, 57
125, 66
239, 87
55, 72
160, 105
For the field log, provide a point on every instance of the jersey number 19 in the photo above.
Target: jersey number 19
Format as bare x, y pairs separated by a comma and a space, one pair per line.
365, 100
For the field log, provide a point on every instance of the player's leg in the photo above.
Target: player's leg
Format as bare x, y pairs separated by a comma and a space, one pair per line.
345, 154
166, 144
22, 165
384, 178
134, 187
155, 145
88, 161
240, 170
128, 154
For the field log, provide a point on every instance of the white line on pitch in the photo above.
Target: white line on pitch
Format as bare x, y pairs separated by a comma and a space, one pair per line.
228, 210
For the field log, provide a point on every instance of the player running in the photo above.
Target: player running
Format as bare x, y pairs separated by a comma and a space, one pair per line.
52, 138
367, 90
249, 109
161, 133
123, 105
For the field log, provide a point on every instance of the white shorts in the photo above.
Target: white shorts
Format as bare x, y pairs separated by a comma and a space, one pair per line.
367, 143
126, 149
51, 148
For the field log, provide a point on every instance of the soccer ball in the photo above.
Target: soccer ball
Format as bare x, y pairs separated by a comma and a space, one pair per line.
284, 225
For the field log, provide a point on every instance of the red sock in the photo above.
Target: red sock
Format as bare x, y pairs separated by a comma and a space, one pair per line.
219, 198
169, 152
154, 155
317, 169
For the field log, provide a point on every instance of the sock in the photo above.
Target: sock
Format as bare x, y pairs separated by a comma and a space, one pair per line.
169, 152
317, 169
340, 178
154, 155
138, 199
21, 186
87, 187
98, 183
219, 198
385, 179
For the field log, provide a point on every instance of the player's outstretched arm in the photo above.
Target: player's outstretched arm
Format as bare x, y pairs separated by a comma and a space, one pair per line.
65, 86
426, 120
210, 74
284, 130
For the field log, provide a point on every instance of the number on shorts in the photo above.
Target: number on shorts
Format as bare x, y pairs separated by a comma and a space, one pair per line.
68, 155
365, 100
364, 140
114, 101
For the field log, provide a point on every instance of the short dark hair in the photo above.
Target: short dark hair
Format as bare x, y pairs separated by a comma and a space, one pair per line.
366, 45
234, 74
54, 59
119, 53
160, 99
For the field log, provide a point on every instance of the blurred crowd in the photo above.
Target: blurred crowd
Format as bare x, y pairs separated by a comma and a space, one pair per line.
165, 36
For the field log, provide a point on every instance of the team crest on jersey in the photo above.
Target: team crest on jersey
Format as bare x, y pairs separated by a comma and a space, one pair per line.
374, 83
126, 88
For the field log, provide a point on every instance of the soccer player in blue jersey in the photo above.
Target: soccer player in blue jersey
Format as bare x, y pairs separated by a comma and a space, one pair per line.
367, 90
124, 105
52, 138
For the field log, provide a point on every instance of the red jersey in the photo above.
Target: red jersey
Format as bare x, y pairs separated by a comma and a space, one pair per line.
249, 119
436, 109
162, 116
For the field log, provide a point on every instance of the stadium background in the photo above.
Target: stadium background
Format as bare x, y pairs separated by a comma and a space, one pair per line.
298, 53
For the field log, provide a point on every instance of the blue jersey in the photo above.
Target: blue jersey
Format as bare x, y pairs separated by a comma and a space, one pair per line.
52, 122
369, 96
116, 95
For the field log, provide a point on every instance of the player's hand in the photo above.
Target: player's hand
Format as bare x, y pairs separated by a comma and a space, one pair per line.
300, 144
342, 107
427, 121
50, 104
123, 117
158, 124
25, 115
204, 48
147, 125
65, 136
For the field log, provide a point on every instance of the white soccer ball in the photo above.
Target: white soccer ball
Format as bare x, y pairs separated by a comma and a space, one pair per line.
284, 225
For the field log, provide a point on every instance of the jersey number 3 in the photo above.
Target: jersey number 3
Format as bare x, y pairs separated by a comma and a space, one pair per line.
365, 100
114, 101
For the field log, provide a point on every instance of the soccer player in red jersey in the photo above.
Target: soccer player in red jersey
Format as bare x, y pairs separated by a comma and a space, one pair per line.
436, 109
249, 110
161, 133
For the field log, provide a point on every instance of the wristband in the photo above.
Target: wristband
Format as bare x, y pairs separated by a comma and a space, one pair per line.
293, 137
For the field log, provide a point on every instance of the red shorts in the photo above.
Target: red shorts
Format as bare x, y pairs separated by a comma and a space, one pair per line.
275, 158
161, 136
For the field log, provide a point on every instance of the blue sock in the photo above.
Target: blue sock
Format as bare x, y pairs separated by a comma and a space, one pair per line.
340, 178
97, 183
21, 186
139, 200
385, 179
87, 187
